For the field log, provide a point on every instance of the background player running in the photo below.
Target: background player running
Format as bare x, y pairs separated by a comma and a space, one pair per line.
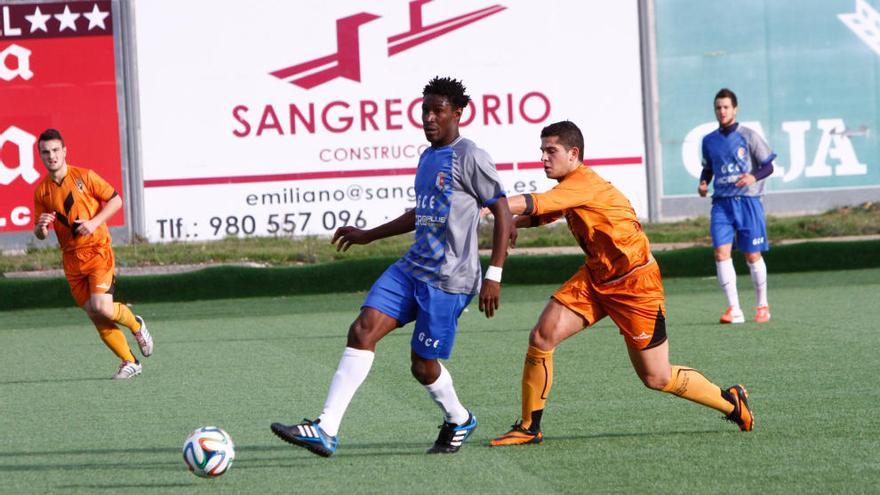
432, 283
77, 202
740, 160
619, 279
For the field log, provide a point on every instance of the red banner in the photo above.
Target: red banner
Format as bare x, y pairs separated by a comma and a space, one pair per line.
57, 70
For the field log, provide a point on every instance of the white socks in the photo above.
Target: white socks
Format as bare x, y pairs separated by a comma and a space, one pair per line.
444, 395
727, 281
759, 281
350, 374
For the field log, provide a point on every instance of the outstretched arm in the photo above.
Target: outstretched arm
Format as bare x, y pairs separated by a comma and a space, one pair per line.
517, 205
490, 293
348, 235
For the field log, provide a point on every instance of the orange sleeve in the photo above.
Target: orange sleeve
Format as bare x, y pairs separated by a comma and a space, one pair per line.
569, 193
99, 188
39, 207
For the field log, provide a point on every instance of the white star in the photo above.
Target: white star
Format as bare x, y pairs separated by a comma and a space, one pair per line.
67, 19
96, 17
38, 20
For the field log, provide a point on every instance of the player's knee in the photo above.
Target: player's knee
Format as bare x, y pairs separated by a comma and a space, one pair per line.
542, 338
106, 311
423, 371
360, 336
655, 382
91, 311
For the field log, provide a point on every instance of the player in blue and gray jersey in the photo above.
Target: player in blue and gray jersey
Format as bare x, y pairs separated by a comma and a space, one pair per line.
739, 160
432, 283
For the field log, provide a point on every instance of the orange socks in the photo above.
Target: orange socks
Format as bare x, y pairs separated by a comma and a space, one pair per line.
537, 379
124, 316
115, 340
693, 386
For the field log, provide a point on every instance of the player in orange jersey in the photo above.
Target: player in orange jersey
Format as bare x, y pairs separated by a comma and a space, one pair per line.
619, 279
78, 203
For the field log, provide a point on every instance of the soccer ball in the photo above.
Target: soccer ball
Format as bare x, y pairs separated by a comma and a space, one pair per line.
208, 452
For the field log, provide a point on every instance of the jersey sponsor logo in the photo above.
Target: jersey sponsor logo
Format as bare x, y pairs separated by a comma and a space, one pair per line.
757, 240
430, 221
103, 286
641, 336
730, 168
346, 62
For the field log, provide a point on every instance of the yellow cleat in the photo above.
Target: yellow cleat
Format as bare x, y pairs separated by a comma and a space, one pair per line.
518, 436
742, 414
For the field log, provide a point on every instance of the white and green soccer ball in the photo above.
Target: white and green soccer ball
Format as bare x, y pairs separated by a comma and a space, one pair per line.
208, 452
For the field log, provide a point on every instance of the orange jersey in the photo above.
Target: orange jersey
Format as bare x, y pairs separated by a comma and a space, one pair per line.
601, 219
78, 197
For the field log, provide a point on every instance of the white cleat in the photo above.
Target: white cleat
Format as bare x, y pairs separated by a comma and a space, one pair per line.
143, 337
127, 370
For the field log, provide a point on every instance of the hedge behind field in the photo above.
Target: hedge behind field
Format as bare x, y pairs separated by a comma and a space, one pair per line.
359, 274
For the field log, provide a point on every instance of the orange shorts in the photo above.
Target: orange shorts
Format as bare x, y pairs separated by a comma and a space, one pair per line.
634, 302
90, 270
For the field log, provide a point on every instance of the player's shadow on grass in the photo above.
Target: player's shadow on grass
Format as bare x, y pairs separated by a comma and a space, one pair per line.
112, 452
54, 380
135, 487
418, 448
121, 465
295, 454
611, 435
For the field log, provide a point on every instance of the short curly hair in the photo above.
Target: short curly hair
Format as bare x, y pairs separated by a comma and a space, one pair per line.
452, 89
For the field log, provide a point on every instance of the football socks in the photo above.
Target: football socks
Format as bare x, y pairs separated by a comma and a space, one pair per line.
350, 374
758, 270
124, 316
727, 280
443, 393
115, 340
537, 379
693, 386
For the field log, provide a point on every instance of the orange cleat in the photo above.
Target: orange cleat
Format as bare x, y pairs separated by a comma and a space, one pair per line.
762, 314
518, 436
733, 315
741, 414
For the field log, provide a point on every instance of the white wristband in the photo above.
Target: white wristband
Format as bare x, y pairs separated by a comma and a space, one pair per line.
493, 273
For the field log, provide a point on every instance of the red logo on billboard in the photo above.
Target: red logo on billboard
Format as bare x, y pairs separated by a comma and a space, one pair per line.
345, 62
77, 96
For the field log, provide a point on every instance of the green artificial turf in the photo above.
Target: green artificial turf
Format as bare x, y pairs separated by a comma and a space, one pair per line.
243, 363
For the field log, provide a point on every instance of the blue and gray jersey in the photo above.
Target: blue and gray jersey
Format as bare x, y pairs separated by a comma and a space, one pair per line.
452, 184
729, 153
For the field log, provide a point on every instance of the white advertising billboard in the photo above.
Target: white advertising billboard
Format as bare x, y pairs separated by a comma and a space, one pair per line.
297, 117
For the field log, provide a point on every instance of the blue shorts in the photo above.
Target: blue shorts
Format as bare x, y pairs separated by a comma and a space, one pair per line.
435, 311
741, 217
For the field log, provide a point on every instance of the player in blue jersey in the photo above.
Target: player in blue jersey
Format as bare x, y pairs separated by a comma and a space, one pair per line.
432, 283
739, 160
